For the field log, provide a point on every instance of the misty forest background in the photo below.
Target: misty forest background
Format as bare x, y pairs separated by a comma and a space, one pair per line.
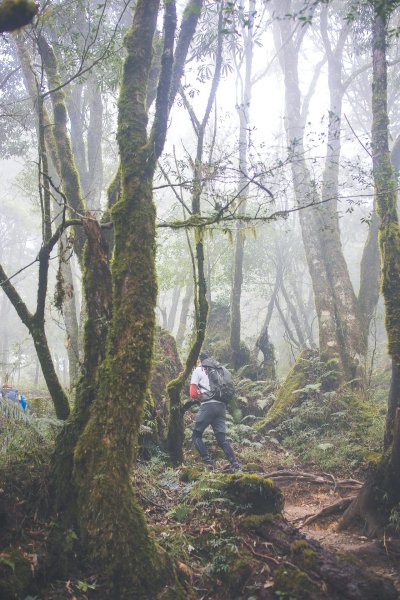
186, 176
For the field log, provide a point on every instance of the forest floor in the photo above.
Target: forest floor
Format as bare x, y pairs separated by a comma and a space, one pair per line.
214, 554
305, 499
184, 524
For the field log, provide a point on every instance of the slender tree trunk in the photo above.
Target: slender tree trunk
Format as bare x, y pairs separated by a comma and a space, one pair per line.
174, 307
67, 168
94, 146
74, 102
70, 320
175, 434
263, 342
180, 336
37, 369
244, 119
293, 316
69, 312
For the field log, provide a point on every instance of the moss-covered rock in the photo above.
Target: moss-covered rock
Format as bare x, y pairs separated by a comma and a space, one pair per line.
253, 494
290, 394
15, 575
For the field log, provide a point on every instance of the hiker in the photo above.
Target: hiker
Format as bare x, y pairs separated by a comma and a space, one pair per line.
11, 393
212, 407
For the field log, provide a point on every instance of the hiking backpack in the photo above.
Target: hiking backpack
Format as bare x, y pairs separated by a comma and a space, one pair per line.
221, 383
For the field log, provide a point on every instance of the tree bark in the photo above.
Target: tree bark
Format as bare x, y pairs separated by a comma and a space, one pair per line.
111, 521
244, 119
174, 307
175, 434
381, 492
342, 335
180, 336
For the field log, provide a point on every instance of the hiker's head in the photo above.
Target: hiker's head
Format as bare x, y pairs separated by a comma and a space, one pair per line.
203, 356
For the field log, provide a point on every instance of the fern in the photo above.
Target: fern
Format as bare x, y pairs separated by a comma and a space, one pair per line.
12, 410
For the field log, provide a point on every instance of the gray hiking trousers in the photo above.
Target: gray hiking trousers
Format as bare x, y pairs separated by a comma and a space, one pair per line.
212, 413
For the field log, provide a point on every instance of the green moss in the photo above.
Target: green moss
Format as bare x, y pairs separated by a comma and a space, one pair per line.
253, 494
256, 522
16, 13
350, 558
252, 467
189, 474
302, 554
296, 583
288, 395
239, 572
15, 574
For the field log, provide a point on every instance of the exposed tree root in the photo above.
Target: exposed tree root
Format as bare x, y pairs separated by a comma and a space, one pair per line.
336, 507
324, 479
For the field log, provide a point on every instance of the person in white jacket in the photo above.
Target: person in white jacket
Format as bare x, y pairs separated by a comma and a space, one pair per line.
212, 412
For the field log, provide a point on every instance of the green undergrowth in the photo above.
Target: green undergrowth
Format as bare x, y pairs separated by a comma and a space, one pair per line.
333, 430
326, 429
24, 435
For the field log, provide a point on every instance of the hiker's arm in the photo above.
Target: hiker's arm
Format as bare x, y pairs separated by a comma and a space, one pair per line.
194, 392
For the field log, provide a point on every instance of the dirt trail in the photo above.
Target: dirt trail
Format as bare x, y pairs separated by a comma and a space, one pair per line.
303, 500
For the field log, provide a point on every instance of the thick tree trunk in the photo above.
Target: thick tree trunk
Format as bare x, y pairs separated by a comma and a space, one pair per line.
120, 542
97, 287
341, 333
111, 522
393, 404
381, 492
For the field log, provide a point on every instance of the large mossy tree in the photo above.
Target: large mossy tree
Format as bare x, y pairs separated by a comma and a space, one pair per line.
380, 495
93, 461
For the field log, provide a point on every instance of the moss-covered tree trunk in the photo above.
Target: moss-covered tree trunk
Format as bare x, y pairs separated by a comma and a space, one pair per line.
16, 13
386, 201
111, 522
112, 525
381, 492
97, 287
